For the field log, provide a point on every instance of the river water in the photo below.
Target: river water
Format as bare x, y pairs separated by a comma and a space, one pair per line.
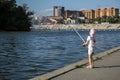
24, 55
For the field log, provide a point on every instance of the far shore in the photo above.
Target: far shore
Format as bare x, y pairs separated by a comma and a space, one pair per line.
77, 26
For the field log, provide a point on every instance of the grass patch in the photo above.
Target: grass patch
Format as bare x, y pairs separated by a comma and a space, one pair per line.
109, 53
78, 66
97, 58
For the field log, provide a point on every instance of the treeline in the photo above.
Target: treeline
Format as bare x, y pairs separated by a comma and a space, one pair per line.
14, 17
110, 19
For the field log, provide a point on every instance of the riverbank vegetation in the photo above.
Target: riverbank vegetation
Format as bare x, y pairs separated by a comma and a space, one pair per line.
14, 17
109, 19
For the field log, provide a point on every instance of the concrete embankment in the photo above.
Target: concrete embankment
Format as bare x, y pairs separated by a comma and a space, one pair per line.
105, 63
79, 26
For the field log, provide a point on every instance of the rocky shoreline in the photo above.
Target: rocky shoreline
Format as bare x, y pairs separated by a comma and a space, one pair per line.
77, 26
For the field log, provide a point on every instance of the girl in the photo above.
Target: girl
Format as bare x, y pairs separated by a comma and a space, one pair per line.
90, 42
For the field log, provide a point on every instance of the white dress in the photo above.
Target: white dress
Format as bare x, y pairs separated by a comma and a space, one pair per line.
91, 45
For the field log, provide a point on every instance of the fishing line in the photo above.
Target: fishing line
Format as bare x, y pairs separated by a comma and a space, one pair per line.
78, 33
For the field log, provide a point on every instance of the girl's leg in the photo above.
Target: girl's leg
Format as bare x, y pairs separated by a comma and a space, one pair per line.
90, 61
90, 58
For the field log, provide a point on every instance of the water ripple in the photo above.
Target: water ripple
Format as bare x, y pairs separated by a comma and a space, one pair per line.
27, 54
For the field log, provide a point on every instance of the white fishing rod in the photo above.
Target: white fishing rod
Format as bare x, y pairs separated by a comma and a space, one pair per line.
77, 33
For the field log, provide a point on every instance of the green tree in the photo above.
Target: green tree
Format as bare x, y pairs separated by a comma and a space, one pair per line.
97, 20
13, 17
81, 21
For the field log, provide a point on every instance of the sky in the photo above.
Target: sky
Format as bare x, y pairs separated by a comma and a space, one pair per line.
45, 7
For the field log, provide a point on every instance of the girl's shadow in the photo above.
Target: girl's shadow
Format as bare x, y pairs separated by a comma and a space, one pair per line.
113, 66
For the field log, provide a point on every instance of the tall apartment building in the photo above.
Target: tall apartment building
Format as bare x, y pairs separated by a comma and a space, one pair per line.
58, 11
113, 12
89, 14
103, 12
106, 12
97, 13
73, 14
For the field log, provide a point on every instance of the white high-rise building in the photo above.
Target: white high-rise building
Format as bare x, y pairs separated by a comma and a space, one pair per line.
58, 11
